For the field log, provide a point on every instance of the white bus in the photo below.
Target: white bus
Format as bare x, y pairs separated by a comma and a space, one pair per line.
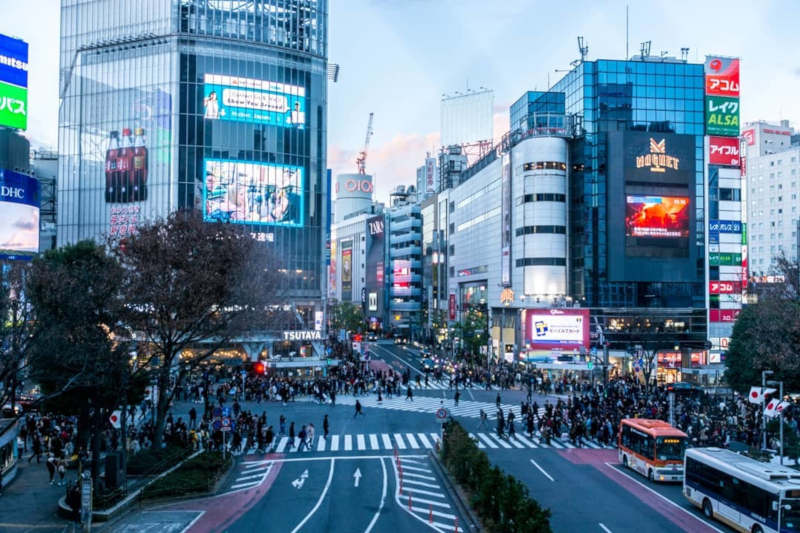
741, 492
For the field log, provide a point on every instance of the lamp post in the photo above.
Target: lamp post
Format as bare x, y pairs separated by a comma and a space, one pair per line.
764, 374
780, 414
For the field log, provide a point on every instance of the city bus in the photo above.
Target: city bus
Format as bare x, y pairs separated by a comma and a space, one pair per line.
743, 493
652, 447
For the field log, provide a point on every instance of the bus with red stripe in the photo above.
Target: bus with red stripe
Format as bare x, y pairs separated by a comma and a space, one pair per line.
653, 448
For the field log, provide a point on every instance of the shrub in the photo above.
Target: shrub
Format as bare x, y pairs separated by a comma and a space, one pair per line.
502, 502
196, 475
153, 460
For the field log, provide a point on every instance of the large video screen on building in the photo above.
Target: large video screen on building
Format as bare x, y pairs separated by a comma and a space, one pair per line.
19, 215
244, 192
250, 100
657, 217
557, 328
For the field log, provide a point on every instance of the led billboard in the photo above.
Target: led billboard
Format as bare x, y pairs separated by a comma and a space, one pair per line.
401, 277
657, 216
13, 83
723, 151
250, 100
19, 215
557, 328
722, 116
247, 192
722, 76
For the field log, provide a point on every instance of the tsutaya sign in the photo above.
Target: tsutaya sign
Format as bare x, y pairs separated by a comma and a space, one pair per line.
302, 335
657, 159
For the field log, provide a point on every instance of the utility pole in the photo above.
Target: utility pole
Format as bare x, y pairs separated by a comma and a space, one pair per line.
764, 374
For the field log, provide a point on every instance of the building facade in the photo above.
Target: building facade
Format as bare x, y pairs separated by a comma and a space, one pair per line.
404, 229
166, 106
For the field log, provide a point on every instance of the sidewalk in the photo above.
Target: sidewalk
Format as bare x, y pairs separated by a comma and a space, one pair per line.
30, 503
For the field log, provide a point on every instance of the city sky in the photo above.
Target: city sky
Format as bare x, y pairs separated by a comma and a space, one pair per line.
397, 57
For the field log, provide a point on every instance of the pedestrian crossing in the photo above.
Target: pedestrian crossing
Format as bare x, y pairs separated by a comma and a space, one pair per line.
428, 404
417, 492
405, 441
252, 474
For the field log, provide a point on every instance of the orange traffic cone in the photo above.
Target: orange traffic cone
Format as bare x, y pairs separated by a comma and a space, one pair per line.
430, 515
409, 502
455, 525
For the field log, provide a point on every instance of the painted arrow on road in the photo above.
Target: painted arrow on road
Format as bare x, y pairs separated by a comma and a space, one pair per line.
298, 483
356, 477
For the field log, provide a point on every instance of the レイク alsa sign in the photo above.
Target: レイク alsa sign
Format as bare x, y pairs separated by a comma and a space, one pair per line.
302, 335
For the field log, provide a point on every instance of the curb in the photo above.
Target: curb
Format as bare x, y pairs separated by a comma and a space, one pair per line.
105, 515
473, 524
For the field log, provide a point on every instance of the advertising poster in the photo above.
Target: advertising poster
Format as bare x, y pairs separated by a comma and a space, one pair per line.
451, 306
505, 223
13, 83
722, 116
332, 272
375, 266
401, 277
557, 328
657, 216
19, 215
347, 270
723, 151
722, 76
243, 192
724, 315
250, 100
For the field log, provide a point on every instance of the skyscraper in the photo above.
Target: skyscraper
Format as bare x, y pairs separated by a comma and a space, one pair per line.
216, 106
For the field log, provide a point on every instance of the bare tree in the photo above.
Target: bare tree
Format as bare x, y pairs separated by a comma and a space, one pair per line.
16, 330
191, 288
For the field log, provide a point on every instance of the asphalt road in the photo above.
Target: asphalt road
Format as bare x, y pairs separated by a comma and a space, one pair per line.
350, 482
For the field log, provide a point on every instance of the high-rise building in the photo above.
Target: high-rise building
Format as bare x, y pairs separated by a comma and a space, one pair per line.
404, 227
771, 165
216, 106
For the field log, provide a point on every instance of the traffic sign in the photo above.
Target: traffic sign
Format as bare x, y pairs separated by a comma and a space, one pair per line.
441, 414
226, 412
227, 424
590, 365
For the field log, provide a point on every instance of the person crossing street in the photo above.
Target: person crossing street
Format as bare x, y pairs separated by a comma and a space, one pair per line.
409, 394
325, 427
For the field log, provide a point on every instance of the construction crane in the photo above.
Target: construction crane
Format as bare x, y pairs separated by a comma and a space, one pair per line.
361, 159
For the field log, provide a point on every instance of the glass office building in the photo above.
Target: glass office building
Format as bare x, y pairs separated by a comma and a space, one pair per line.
214, 105
624, 110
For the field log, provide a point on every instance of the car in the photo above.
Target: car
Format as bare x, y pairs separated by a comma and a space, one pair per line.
400, 340
371, 337
683, 388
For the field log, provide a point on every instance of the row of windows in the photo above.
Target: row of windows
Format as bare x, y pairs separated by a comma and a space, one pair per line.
541, 261
544, 165
528, 230
542, 197
642, 444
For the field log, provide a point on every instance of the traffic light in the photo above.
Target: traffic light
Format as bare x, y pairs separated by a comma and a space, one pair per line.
258, 368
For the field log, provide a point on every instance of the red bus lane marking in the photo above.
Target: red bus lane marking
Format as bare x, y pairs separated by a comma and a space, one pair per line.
220, 512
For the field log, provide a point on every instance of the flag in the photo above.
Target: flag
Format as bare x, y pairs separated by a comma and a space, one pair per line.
757, 394
114, 419
781, 406
771, 410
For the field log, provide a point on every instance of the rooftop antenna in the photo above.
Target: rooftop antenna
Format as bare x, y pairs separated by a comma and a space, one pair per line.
685, 54
583, 48
664, 53
645, 49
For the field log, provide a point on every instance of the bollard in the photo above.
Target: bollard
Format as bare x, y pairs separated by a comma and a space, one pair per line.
430, 514
409, 502
455, 525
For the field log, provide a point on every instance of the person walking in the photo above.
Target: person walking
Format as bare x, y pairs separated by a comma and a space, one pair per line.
37, 449
268, 439
325, 427
497, 400
409, 394
192, 418
291, 435
302, 437
62, 470
282, 426
484, 419
456, 397
51, 467
310, 435
359, 411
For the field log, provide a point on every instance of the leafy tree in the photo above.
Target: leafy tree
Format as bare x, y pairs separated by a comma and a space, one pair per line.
79, 354
473, 330
347, 316
191, 287
17, 321
767, 333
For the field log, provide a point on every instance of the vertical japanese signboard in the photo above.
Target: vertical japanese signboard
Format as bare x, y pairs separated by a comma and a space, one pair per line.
13, 83
505, 222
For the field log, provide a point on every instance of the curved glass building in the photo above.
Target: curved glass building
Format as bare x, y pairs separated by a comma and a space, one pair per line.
217, 105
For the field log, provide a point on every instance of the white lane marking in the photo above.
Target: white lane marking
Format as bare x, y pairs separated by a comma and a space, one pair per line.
489, 442
501, 440
429, 502
555, 444
255, 463
412, 441
567, 444
321, 445
604, 528
339, 458
416, 469
425, 492
335, 443
360, 442
421, 476
319, 502
421, 483
525, 441
436, 438
435, 513
405, 459
664, 498
190, 524
399, 440
282, 445
424, 440
513, 440
248, 484
348, 443
253, 476
383, 499
387, 442
356, 477
548, 476
474, 437
373, 442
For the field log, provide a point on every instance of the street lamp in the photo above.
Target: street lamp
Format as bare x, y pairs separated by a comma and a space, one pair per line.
764, 374
780, 414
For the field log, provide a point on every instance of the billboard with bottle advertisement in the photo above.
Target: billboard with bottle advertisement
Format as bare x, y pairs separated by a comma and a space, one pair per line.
564, 328
248, 192
250, 100
13, 83
19, 215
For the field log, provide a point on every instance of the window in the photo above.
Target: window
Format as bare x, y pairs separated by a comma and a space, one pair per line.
452, 249
730, 195
544, 165
541, 261
528, 230
542, 197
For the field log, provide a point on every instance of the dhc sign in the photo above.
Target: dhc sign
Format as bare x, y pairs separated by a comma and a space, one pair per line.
302, 335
